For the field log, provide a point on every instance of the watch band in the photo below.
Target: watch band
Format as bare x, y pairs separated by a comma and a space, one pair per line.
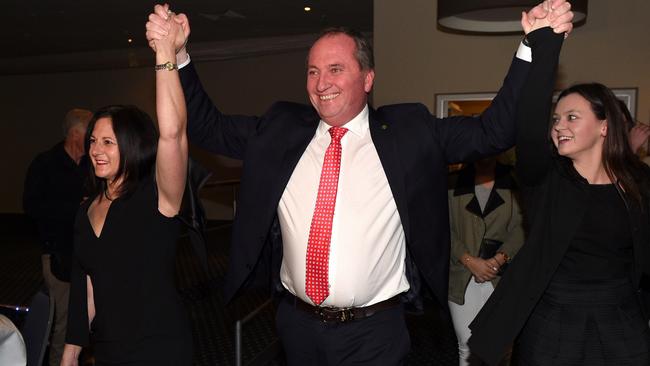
169, 66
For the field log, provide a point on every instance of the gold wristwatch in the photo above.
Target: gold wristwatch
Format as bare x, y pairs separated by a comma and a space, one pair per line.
169, 66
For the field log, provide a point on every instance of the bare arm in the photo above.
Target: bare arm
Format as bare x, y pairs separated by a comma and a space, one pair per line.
71, 351
91, 300
70, 355
171, 159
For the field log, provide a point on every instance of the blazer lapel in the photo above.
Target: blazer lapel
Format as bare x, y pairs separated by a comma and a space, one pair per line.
494, 201
295, 142
473, 206
383, 137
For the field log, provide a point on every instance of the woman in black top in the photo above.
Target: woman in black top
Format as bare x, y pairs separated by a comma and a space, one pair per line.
122, 285
571, 293
589, 313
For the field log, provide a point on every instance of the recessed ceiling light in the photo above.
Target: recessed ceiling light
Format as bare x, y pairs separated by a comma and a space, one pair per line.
307, 8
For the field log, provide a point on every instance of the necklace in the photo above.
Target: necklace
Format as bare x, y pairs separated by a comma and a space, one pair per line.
107, 197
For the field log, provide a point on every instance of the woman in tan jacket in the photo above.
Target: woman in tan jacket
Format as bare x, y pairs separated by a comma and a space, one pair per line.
486, 232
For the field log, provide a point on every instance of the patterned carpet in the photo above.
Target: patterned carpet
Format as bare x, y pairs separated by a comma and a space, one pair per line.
213, 323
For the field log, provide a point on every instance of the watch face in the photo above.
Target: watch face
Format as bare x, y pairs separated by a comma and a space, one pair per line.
169, 66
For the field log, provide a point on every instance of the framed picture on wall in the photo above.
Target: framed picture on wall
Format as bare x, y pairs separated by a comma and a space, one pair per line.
475, 103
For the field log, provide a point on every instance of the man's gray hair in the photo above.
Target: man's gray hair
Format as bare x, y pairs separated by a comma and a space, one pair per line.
364, 53
76, 117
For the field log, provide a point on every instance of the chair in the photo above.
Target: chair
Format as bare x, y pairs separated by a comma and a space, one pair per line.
12, 346
36, 329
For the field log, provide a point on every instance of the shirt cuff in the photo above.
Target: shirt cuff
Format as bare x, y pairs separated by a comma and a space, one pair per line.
524, 53
187, 62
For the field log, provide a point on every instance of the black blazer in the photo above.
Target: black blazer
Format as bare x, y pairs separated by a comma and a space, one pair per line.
554, 198
414, 148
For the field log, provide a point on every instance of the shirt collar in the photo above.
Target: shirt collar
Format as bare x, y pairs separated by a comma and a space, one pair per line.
358, 125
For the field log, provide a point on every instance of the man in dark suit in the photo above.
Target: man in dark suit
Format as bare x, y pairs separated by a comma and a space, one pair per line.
52, 193
345, 205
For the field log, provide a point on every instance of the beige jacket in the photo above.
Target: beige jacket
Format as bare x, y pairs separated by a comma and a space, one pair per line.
501, 220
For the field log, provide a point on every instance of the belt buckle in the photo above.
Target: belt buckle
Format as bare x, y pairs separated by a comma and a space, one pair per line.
340, 315
346, 315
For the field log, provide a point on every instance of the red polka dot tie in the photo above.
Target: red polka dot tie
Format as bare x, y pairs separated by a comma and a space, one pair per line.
320, 232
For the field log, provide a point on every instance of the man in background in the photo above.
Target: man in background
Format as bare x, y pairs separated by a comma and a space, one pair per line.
52, 194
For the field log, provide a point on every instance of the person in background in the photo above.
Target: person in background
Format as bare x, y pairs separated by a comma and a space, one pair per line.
639, 134
52, 193
486, 232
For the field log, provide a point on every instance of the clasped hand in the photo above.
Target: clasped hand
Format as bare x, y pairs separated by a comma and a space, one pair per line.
483, 269
166, 29
556, 14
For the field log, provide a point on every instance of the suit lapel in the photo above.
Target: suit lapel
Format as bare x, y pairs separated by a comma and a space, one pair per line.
473, 206
494, 201
295, 142
383, 137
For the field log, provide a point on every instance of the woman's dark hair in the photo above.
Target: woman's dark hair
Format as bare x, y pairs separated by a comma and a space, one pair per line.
621, 165
137, 142
629, 120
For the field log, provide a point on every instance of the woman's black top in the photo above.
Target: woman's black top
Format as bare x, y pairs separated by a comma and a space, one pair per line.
602, 244
131, 264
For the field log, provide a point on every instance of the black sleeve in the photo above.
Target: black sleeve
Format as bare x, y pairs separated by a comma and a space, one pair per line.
464, 138
39, 200
78, 329
35, 189
533, 112
532, 122
207, 127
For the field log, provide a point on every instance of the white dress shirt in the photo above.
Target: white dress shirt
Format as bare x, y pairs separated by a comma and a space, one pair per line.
368, 247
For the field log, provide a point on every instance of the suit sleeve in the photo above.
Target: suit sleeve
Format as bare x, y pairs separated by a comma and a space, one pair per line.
210, 129
465, 139
533, 112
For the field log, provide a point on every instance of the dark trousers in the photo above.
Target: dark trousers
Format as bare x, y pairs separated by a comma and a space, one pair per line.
381, 339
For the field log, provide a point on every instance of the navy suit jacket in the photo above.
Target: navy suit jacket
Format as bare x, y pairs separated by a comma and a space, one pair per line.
414, 147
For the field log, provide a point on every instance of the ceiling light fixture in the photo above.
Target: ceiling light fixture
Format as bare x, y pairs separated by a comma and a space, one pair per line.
493, 16
307, 8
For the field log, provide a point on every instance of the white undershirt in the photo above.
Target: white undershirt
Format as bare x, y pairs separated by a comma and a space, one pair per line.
368, 247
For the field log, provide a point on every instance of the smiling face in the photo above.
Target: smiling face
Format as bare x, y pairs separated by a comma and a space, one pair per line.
104, 151
337, 86
576, 130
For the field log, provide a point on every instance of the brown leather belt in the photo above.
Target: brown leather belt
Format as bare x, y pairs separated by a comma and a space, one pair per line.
343, 315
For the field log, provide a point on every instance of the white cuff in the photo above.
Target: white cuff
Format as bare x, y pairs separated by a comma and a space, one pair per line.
524, 53
185, 63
